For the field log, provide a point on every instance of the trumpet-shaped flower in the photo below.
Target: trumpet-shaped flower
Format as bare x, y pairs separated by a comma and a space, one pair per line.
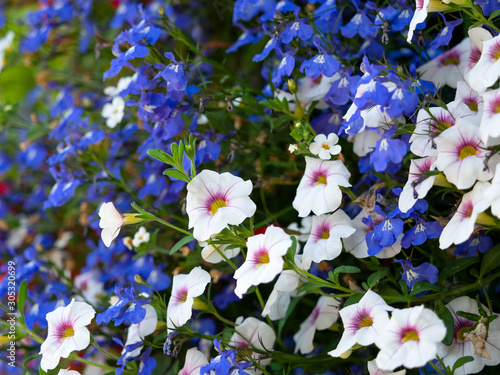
184, 289
319, 190
215, 201
284, 289
422, 7
137, 332
490, 134
323, 316
324, 242
462, 346
449, 67
212, 253
461, 225
461, 155
374, 370
67, 332
253, 333
324, 146
410, 339
487, 70
112, 221
418, 184
493, 193
264, 259
195, 360
363, 322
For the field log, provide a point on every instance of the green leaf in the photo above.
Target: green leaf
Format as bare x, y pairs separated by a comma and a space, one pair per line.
375, 277
460, 362
181, 243
29, 359
346, 269
308, 286
445, 315
161, 156
353, 299
290, 254
175, 173
456, 266
471, 317
491, 261
289, 311
21, 297
423, 286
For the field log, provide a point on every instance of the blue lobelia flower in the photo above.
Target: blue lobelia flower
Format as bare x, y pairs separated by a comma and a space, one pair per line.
444, 37
384, 234
360, 24
297, 29
388, 150
173, 74
411, 275
474, 244
285, 68
421, 232
321, 63
341, 90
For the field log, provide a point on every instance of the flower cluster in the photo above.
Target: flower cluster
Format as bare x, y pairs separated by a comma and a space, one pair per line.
250, 187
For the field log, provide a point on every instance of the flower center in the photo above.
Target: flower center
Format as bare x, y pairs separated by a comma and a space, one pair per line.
460, 333
452, 60
410, 335
263, 259
467, 151
325, 234
366, 322
325, 146
472, 104
68, 332
214, 207
321, 179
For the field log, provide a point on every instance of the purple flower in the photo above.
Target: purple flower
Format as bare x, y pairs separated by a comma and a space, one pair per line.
444, 37
421, 232
297, 29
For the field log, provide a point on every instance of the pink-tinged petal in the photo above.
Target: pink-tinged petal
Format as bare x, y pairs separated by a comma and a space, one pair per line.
193, 363
487, 70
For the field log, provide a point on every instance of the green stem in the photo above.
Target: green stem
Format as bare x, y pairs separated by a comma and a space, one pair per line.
92, 340
171, 225
75, 357
259, 297
436, 368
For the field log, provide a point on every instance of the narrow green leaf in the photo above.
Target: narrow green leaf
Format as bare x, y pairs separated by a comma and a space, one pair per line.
375, 277
181, 243
456, 266
353, 299
461, 361
21, 297
471, 317
308, 286
445, 315
423, 286
29, 359
491, 261
174, 173
161, 156
290, 254
346, 269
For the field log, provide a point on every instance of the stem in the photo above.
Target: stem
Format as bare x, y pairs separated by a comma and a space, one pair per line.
92, 340
259, 297
75, 357
436, 368
172, 226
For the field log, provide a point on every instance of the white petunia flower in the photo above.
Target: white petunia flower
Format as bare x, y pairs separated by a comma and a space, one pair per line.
487, 70
410, 339
417, 185
462, 347
195, 360
215, 201
113, 112
461, 155
141, 236
264, 259
493, 193
461, 225
324, 241
422, 7
319, 190
212, 253
325, 147
363, 322
489, 129
322, 317
137, 332
477, 36
184, 289
253, 333
88, 283
374, 370
304, 229
67, 332
449, 67
112, 221
471, 98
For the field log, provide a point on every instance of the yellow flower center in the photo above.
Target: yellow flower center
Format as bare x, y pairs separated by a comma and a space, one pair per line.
263, 259
460, 333
497, 108
472, 104
366, 322
410, 336
325, 235
467, 151
321, 179
68, 332
452, 60
325, 146
219, 203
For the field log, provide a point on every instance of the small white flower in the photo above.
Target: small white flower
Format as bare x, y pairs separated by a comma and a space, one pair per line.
123, 84
417, 185
212, 253
325, 147
141, 236
410, 339
264, 259
67, 332
487, 70
111, 222
113, 112
363, 322
374, 370
137, 332
216, 200
5, 43
319, 189
253, 333
184, 289
284, 289
493, 193
322, 317
292, 148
